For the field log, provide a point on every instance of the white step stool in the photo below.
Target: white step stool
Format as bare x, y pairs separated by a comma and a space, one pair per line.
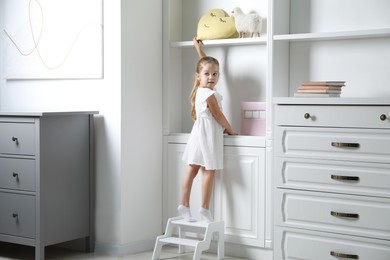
195, 227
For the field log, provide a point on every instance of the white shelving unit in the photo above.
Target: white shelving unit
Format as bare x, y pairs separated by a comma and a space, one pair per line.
314, 40
302, 40
244, 77
322, 40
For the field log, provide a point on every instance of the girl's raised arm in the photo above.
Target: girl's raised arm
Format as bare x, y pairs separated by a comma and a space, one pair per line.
198, 47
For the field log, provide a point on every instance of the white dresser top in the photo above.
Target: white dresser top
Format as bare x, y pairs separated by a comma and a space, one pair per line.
331, 101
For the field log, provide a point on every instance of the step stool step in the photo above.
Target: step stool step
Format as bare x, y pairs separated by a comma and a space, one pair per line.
180, 241
182, 222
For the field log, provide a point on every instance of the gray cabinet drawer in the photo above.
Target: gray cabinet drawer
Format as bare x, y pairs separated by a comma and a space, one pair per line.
17, 215
17, 138
344, 214
370, 179
333, 143
308, 245
330, 116
17, 174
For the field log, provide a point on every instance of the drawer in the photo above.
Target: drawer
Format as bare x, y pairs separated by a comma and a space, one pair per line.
330, 116
291, 244
17, 174
17, 215
371, 179
345, 214
17, 138
370, 145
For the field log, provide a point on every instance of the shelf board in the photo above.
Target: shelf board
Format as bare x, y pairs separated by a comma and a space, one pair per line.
374, 33
224, 42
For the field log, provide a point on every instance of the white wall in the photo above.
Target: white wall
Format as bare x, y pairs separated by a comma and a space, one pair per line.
128, 128
141, 121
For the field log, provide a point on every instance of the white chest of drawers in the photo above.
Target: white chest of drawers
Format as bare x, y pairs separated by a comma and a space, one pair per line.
45, 178
331, 179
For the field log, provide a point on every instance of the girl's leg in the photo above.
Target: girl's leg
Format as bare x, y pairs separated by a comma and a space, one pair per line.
188, 179
186, 186
207, 189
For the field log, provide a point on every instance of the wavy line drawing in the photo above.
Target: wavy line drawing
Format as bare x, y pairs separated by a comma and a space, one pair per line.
36, 19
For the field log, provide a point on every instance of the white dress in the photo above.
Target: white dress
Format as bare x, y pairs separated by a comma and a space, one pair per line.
205, 144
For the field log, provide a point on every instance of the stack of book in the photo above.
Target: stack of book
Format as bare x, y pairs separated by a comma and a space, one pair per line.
320, 89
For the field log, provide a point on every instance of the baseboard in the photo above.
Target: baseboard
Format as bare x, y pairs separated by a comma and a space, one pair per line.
243, 251
127, 249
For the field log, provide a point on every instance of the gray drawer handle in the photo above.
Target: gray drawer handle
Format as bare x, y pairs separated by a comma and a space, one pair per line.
345, 145
306, 115
16, 176
342, 255
14, 215
383, 117
14, 138
344, 178
344, 215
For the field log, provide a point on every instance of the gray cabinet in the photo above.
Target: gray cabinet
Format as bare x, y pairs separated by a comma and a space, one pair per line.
45, 178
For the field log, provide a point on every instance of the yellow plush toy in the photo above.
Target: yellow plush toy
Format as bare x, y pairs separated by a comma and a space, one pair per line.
216, 24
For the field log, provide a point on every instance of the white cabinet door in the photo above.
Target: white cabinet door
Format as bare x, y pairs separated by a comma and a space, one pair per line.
239, 195
176, 168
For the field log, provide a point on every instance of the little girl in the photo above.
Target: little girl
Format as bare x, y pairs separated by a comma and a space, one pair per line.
204, 149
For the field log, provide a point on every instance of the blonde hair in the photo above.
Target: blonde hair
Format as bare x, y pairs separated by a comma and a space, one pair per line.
199, 66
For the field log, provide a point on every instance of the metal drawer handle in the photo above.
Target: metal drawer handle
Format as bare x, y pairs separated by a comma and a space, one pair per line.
14, 215
383, 117
342, 255
345, 145
14, 138
306, 116
15, 174
344, 215
344, 178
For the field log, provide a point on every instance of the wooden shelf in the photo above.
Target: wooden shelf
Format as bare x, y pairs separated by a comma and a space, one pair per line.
224, 42
374, 33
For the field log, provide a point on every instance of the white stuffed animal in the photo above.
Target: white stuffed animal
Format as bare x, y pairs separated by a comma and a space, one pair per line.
247, 23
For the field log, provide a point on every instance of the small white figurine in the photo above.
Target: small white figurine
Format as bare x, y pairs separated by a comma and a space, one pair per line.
247, 23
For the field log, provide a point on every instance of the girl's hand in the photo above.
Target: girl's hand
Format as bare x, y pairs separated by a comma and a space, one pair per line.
197, 43
231, 132
198, 47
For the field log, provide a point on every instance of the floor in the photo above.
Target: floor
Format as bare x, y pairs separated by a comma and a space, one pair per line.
19, 252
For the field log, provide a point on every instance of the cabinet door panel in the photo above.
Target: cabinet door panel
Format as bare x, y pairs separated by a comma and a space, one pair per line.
240, 195
335, 176
334, 143
18, 174
17, 138
342, 116
291, 244
176, 170
346, 214
17, 215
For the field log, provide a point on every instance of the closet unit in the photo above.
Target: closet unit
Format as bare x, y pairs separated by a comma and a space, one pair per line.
330, 157
331, 175
301, 40
243, 67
